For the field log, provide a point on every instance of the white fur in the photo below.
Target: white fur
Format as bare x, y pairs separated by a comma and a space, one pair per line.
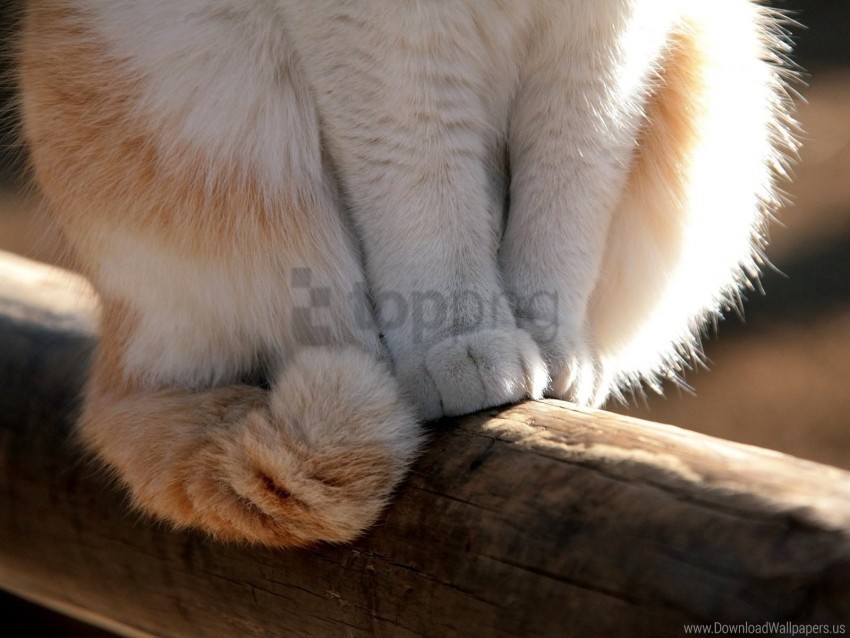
209, 321
404, 111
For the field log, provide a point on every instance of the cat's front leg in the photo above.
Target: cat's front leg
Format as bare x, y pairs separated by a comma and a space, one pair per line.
571, 143
409, 126
208, 225
430, 251
429, 220
644, 148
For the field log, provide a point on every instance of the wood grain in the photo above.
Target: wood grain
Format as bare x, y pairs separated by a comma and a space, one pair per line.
535, 520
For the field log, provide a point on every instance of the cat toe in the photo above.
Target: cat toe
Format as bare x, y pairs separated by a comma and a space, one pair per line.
576, 373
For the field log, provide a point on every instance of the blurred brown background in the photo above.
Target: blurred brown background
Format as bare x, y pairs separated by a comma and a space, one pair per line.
779, 380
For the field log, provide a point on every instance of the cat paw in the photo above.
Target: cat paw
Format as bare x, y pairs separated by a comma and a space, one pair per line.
575, 371
576, 376
470, 372
316, 460
322, 462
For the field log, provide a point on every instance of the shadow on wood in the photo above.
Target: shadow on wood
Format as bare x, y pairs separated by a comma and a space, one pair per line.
535, 520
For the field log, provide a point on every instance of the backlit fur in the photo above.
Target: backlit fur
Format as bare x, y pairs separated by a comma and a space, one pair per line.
392, 211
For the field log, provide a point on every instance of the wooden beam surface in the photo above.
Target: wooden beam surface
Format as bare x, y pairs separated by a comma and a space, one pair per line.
535, 520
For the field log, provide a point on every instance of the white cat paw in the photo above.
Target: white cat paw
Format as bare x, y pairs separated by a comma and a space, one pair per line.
575, 371
469, 372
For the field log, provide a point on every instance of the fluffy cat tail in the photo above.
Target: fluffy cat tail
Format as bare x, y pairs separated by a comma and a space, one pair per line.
313, 459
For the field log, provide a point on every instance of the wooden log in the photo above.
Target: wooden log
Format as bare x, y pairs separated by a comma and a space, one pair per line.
535, 520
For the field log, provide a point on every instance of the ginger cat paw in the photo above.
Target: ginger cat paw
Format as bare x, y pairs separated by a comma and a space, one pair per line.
314, 459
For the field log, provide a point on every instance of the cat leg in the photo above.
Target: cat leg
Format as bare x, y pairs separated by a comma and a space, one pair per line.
450, 329
413, 141
431, 264
312, 459
208, 224
429, 232
570, 145
639, 177
315, 457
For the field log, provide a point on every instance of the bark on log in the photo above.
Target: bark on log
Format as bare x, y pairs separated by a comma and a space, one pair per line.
535, 520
